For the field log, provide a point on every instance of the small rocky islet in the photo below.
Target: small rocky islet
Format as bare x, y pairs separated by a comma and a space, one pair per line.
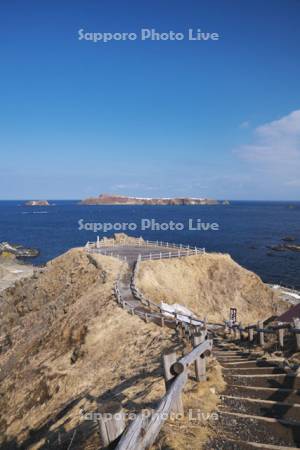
37, 203
287, 244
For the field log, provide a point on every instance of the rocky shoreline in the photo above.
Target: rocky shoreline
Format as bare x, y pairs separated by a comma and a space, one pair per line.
12, 265
13, 270
17, 251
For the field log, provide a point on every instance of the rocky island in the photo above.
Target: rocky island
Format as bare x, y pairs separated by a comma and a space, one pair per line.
37, 203
111, 199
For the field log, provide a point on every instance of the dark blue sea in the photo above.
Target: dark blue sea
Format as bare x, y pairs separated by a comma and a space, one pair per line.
246, 230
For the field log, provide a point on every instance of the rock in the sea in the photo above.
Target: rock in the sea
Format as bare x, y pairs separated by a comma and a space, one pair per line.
284, 247
293, 247
289, 239
18, 250
37, 203
278, 248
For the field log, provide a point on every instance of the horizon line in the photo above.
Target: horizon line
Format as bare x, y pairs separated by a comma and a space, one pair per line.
79, 199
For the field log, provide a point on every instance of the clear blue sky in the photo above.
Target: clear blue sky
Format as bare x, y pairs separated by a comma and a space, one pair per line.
218, 119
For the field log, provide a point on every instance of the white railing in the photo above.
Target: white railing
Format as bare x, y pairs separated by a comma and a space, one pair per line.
150, 256
179, 253
139, 242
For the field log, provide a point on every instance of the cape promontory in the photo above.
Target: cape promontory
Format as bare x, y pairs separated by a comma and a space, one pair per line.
111, 199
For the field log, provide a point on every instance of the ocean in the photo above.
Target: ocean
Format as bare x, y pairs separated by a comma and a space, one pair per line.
245, 230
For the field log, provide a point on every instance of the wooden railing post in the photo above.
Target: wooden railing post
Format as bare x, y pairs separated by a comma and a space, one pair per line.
261, 338
169, 359
237, 333
250, 334
226, 328
280, 334
112, 424
241, 329
297, 326
200, 363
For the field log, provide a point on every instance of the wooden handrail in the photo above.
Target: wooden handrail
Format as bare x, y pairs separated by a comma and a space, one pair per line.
143, 431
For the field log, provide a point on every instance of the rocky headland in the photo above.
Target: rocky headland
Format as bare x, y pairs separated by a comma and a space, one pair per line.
111, 199
67, 347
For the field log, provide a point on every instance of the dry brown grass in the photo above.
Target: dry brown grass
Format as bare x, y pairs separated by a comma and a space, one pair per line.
209, 285
73, 348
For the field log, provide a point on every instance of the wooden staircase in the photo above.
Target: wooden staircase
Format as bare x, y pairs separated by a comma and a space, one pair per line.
260, 407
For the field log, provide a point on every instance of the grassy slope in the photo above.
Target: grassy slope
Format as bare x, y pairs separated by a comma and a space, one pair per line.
209, 285
69, 347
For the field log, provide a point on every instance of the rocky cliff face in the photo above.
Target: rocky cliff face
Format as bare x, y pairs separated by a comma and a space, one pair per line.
106, 199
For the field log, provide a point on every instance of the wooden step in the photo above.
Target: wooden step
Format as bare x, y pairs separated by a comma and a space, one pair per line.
232, 353
251, 428
251, 363
235, 358
283, 381
239, 364
264, 408
230, 444
252, 370
279, 395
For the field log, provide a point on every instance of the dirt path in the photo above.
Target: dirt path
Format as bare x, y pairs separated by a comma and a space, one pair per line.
131, 253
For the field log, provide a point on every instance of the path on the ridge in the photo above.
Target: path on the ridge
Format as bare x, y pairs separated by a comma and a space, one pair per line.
132, 253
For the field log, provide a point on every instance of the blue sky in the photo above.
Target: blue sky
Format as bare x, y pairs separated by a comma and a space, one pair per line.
154, 118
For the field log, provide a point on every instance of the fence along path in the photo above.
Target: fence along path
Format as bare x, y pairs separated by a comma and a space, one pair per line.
257, 332
126, 291
143, 431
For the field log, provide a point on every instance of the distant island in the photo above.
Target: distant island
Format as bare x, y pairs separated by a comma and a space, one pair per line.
37, 203
111, 199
